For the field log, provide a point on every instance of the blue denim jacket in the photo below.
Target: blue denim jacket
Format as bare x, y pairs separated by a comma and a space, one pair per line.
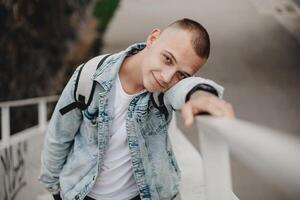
75, 143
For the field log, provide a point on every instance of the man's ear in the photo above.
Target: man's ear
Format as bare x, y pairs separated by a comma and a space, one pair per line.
153, 36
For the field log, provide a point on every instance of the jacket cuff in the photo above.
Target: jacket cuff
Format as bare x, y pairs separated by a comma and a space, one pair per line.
202, 87
177, 94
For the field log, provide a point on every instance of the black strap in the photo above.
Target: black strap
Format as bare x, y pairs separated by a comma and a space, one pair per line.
203, 87
56, 196
71, 106
102, 61
161, 107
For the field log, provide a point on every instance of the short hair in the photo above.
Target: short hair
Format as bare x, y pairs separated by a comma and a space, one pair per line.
200, 39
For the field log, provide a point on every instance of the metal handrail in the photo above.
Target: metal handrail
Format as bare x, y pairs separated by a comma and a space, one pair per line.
25, 102
5, 114
273, 154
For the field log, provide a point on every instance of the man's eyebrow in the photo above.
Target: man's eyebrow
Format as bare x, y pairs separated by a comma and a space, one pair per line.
170, 54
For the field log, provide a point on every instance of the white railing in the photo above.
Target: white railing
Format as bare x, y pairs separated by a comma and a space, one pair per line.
272, 154
5, 115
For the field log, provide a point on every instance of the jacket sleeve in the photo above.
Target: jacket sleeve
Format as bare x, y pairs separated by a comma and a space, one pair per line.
59, 138
176, 96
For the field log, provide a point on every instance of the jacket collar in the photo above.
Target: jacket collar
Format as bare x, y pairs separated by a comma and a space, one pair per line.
106, 74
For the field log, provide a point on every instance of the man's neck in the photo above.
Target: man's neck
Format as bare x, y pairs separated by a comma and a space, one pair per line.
131, 73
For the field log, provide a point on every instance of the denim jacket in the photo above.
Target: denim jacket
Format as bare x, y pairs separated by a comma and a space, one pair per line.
75, 143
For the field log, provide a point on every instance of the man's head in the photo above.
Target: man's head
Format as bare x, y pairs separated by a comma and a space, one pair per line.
174, 53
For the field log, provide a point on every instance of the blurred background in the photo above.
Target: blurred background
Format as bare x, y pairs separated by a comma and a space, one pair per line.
255, 55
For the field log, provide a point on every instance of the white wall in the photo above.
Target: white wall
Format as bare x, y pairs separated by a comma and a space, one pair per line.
20, 167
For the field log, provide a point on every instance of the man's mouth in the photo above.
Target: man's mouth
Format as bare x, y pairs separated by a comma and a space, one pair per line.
157, 81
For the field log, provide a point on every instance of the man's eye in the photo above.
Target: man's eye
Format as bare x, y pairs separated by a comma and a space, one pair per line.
181, 75
168, 60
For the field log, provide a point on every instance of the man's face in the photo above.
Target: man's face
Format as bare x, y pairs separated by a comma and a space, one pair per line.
169, 58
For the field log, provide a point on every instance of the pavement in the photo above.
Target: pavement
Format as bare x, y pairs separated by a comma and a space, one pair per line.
255, 55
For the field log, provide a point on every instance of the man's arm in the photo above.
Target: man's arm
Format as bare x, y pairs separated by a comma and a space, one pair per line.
59, 137
196, 95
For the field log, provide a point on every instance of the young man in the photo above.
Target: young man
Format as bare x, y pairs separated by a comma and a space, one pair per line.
118, 148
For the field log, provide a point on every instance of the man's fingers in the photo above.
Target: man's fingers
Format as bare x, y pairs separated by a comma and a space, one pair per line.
214, 109
230, 111
214, 106
187, 114
204, 103
225, 108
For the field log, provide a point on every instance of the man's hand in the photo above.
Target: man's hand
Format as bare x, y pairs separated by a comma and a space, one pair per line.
202, 101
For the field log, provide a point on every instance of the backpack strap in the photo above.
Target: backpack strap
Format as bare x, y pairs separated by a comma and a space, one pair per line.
157, 99
84, 85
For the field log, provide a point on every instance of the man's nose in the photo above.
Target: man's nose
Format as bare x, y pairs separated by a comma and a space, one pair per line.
167, 74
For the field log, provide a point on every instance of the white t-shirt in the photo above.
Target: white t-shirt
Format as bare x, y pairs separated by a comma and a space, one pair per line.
116, 180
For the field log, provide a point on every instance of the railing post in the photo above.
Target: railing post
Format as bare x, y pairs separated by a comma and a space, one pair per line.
5, 122
42, 114
216, 166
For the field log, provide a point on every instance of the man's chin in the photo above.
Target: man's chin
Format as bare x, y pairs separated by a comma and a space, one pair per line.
150, 88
